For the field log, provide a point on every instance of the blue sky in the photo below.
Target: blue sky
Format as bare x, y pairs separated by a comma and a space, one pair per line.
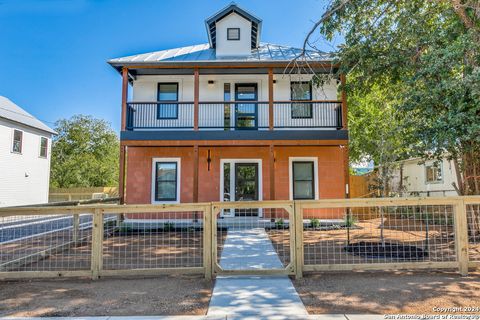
53, 53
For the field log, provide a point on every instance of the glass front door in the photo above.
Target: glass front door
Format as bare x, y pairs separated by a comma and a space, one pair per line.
246, 114
241, 183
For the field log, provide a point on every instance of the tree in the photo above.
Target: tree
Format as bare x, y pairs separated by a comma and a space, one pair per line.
85, 153
427, 55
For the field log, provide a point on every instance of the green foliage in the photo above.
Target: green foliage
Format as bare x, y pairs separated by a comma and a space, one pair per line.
350, 221
314, 223
280, 224
413, 68
85, 153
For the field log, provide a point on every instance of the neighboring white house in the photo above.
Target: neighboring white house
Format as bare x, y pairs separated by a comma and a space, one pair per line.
25, 147
431, 178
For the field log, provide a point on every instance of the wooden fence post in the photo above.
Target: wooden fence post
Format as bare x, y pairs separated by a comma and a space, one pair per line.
299, 254
97, 243
207, 241
461, 236
76, 227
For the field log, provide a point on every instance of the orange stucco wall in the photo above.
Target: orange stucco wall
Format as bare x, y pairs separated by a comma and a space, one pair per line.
331, 170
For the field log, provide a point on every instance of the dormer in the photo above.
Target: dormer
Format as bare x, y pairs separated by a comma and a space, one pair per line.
233, 32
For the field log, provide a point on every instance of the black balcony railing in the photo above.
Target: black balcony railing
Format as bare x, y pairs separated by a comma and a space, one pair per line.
235, 115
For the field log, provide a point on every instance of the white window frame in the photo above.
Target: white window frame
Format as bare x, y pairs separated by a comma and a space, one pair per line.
154, 161
440, 166
291, 160
40, 148
12, 141
232, 180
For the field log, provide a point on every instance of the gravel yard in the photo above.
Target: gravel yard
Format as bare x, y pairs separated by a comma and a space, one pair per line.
167, 295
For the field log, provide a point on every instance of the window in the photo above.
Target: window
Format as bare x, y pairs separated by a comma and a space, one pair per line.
303, 180
43, 147
233, 33
17, 141
166, 180
301, 91
433, 173
167, 92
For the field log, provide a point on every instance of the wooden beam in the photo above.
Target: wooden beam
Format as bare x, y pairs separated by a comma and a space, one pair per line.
272, 171
344, 103
196, 100
212, 143
312, 64
270, 99
124, 98
195, 173
121, 175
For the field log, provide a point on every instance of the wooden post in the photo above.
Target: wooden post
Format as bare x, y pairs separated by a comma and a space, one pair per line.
97, 243
124, 98
299, 254
121, 173
344, 103
461, 237
195, 173
272, 172
196, 94
76, 227
207, 242
270, 99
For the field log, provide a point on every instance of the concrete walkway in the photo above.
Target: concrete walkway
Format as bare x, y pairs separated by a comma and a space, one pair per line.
247, 297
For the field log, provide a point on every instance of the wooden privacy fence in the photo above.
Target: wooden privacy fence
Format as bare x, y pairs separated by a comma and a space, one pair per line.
291, 237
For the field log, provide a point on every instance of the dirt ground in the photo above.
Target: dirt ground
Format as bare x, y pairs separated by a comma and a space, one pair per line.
388, 292
168, 295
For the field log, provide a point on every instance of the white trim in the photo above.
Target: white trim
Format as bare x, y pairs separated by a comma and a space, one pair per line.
290, 174
232, 180
430, 164
152, 190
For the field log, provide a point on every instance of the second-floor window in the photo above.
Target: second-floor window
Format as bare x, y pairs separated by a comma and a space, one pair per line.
17, 141
167, 92
433, 173
301, 91
43, 147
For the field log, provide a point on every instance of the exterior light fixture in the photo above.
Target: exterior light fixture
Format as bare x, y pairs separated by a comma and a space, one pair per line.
211, 83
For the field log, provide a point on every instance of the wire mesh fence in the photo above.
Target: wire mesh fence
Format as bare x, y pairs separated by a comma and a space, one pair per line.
379, 234
59, 242
473, 222
154, 240
285, 237
253, 237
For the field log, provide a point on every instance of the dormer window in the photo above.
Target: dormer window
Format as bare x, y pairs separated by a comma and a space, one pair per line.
233, 33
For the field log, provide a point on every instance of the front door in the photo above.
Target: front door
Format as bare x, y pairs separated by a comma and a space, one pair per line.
246, 114
246, 186
241, 183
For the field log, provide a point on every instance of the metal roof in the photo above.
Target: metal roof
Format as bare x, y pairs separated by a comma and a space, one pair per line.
12, 112
203, 53
210, 23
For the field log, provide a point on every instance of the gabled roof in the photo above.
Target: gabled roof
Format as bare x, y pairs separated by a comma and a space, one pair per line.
202, 53
210, 23
12, 112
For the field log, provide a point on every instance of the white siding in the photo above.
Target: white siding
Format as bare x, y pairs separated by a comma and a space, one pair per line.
145, 89
24, 178
226, 48
415, 178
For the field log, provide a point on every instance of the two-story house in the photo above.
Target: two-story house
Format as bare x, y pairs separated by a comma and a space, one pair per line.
231, 120
25, 149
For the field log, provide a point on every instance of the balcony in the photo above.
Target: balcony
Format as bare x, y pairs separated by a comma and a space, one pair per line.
234, 116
